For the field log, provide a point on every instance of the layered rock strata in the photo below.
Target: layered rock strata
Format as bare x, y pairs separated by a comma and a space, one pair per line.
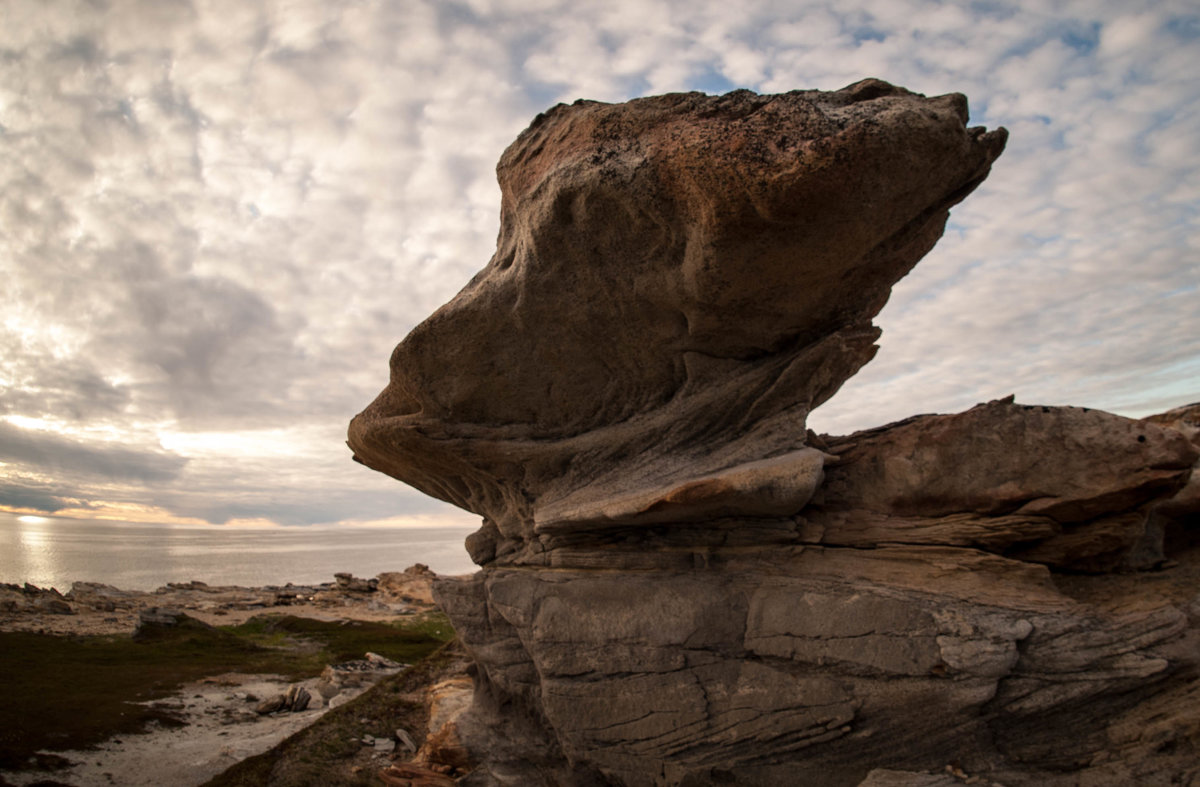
682, 585
678, 281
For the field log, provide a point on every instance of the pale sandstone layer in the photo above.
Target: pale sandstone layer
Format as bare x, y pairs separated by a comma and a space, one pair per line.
680, 584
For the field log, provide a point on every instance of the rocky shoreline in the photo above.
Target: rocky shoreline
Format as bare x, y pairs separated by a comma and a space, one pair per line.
680, 582
92, 608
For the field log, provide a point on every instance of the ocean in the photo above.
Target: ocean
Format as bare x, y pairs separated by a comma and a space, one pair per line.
54, 552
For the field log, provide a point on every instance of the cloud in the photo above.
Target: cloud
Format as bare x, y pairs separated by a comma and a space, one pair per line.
55, 456
221, 217
28, 495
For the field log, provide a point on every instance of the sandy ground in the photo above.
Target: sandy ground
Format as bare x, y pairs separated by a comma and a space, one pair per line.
221, 729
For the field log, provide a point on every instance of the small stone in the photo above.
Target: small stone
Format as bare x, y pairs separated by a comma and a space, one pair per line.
405, 740
159, 616
351, 584
301, 700
54, 606
273, 705
382, 662
296, 699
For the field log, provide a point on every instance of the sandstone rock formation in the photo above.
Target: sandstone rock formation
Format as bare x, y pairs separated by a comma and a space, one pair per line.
1185, 505
27, 598
682, 585
413, 585
678, 281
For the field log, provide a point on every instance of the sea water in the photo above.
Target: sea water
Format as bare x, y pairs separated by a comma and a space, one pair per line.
54, 552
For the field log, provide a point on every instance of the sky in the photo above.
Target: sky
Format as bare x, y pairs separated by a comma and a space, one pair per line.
218, 218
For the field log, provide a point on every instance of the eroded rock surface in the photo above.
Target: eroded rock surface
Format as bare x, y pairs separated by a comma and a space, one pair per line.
678, 281
682, 585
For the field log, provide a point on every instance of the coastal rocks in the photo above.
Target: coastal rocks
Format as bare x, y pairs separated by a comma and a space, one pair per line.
796, 664
158, 616
393, 591
96, 608
272, 705
380, 745
447, 701
228, 598
442, 752
53, 606
156, 622
413, 585
30, 599
1067, 487
681, 584
104, 598
678, 281
348, 583
1185, 505
340, 682
294, 700
405, 741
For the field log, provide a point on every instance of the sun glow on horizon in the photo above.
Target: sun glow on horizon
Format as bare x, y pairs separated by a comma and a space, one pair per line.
462, 519
106, 511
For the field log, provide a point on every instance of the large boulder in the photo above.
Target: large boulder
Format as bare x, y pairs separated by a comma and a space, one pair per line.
681, 584
678, 281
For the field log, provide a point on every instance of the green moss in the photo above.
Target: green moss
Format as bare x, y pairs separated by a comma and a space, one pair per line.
73, 692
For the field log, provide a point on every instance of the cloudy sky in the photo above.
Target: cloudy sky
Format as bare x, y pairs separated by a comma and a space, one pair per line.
218, 218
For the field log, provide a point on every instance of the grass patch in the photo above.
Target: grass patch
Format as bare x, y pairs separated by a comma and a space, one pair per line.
325, 752
74, 692
311, 644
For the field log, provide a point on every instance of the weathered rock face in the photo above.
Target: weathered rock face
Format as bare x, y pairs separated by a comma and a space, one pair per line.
681, 585
678, 281
1182, 510
1070, 488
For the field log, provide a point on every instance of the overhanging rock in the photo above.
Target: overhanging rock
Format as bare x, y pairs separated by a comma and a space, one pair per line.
682, 585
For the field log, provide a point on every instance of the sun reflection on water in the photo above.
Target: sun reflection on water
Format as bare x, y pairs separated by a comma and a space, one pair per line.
35, 550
